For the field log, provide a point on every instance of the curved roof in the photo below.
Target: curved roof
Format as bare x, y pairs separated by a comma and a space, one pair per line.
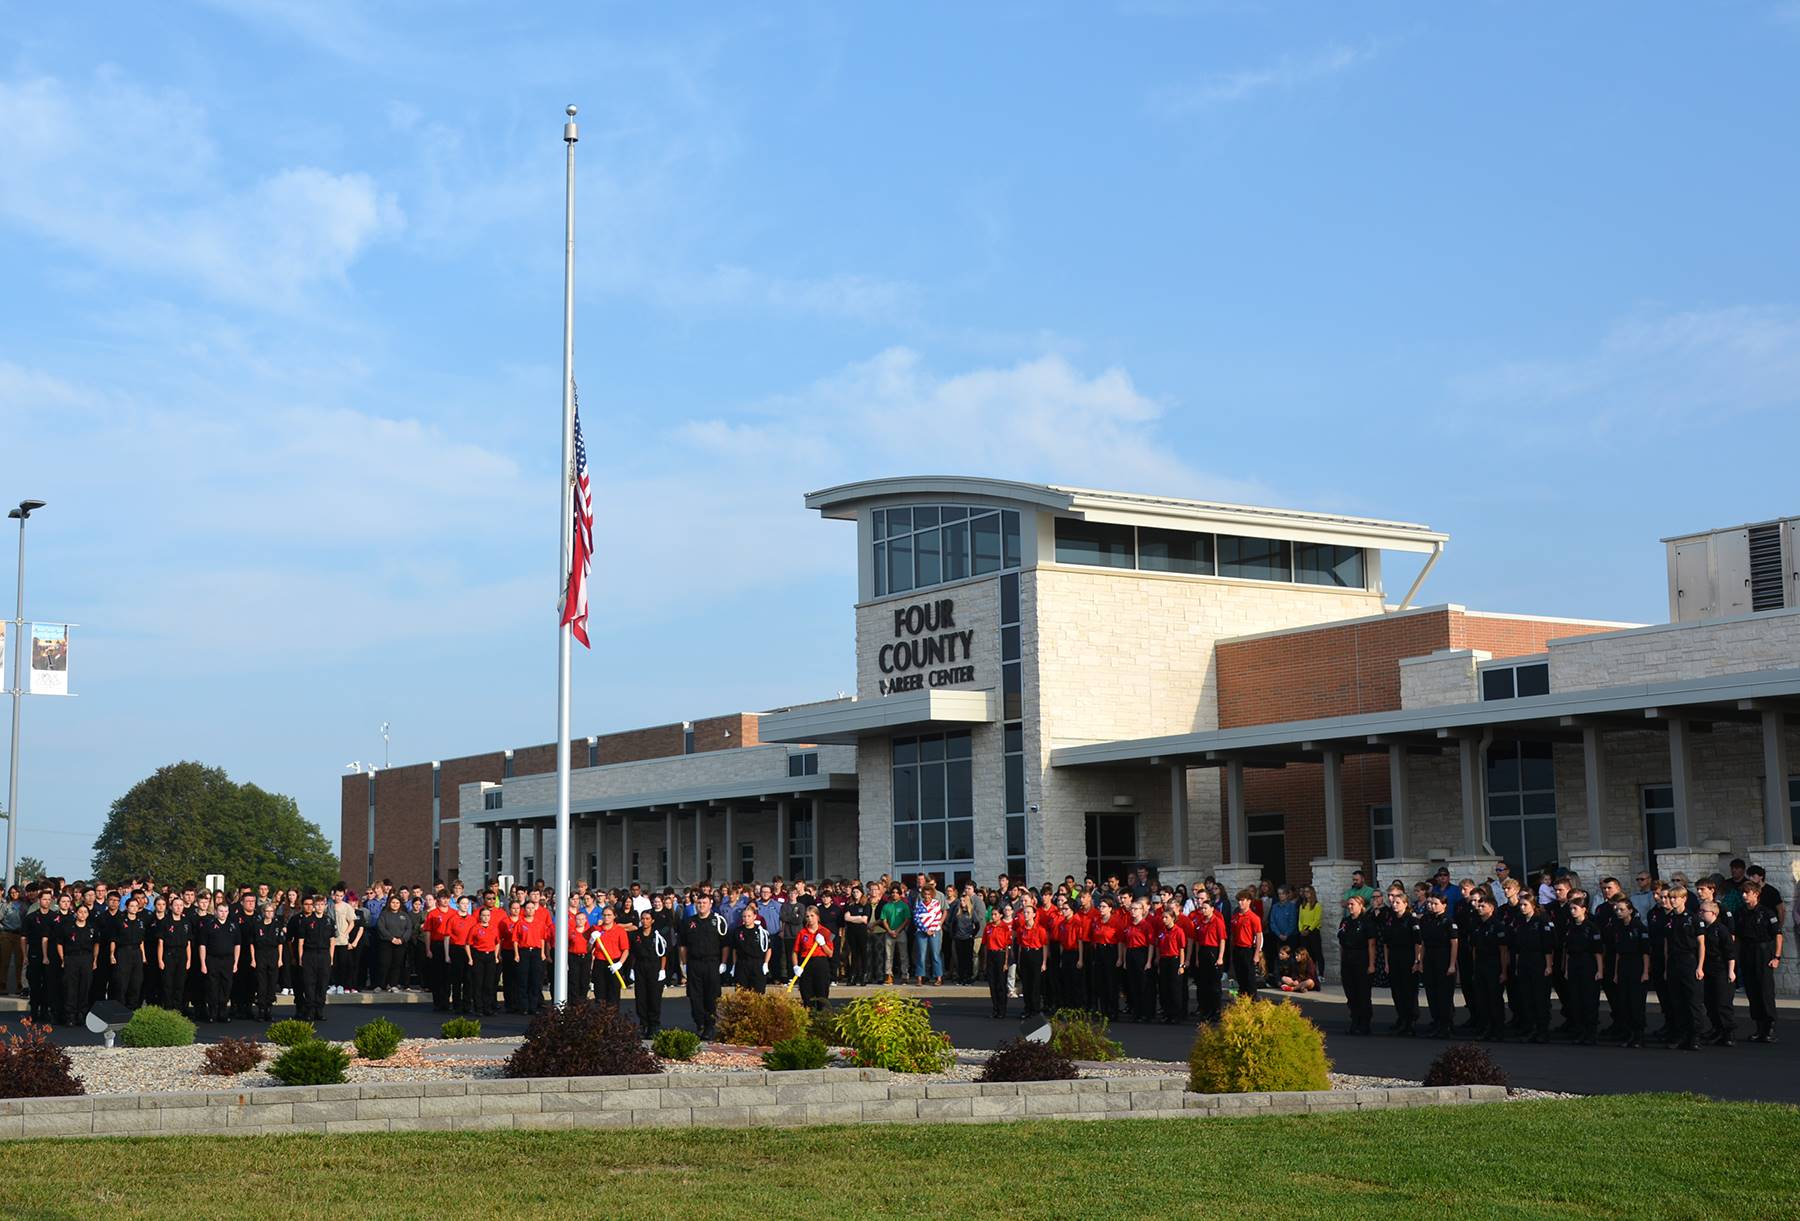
843, 501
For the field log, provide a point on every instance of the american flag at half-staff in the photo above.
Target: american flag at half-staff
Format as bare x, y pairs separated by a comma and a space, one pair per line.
575, 603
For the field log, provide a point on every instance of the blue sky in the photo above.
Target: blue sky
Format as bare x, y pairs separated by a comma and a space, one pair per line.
280, 338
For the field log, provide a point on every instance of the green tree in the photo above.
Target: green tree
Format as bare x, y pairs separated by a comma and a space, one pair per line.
29, 869
188, 820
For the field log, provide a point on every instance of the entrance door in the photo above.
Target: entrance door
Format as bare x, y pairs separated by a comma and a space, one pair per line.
1659, 821
1111, 844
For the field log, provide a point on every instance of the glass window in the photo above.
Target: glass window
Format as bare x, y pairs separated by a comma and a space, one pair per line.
1381, 833
1326, 564
925, 552
900, 564
878, 523
1009, 598
1533, 679
959, 781
1256, 559
954, 512
956, 551
1497, 684
956, 745
1174, 551
1093, 542
934, 799
931, 792
1009, 531
1015, 837
1009, 643
1659, 820
1015, 783
795, 766
923, 517
1521, 779
962, 840
899, 521
1012, 691
986, 532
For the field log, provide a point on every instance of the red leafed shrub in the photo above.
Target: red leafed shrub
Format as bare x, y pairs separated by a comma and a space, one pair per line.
32, 1065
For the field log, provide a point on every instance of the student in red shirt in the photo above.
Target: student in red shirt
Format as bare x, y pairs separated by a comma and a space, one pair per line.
1246, 944
996, 943
581, 955
1071, 977
813, 946
458, 930
508, 920
612, 944
1105, 957
1031, 941
528, 945
1208, 940
1171, 949
484, 961
437, 954
1140, 965
1052, 917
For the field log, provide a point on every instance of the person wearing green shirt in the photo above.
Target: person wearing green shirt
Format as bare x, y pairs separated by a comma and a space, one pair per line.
1359, 889
892, 920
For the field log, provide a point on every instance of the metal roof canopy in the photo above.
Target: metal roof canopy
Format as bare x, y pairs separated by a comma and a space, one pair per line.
847, 720
737, 792
1724, 697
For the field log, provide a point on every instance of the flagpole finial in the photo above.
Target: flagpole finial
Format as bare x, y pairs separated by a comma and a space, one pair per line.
570, 135
571, 110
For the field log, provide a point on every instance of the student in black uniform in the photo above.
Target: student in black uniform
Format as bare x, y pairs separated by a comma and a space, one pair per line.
1681, 970
220, 950
77, 948
105, 919
175, 954
1535, 941
751, 947
1718, 965
702, 945
39, 927
1491, 952
1401, 938
649, 957
1356, 956
243, 983
268, 945
126, 955
1438, 935
1760, 937
1630, 957
1584, 948
314, 949
156, 918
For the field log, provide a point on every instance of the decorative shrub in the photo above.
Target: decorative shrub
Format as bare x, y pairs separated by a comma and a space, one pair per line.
312, 1062
582, 1039
33, 1065
1080, 1035
1260, 1045
761, 1019
1023, 1060
1465, 1064
229, 1057
822, 1024
153, 1026
377, 1040
800, 1052
888, 1030
291, 1033
461, 1028
674, 1043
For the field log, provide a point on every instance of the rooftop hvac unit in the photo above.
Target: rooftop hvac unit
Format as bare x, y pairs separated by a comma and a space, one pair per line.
1725, 573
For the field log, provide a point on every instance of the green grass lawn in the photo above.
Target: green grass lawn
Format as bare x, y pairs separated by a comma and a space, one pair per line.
1641, 1156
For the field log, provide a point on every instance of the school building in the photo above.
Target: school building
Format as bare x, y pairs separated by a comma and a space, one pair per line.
1053, 680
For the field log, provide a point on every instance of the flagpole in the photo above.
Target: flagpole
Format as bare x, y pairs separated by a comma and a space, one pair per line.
559, 979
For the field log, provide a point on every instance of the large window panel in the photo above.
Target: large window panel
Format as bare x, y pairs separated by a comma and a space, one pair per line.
1326, 564
956, 550
986, 533
1255, 559
1098, 543
1174, 551
900, 564
928, 570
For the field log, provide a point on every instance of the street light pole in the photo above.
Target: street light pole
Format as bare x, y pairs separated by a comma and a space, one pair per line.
25, 510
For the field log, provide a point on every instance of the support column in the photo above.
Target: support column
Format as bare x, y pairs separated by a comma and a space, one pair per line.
625, 852
1778, 826
599, 851
1178, 818
1332, 765
669, 847
1596, 862
1474, 858
1331, 878
699, 843
783, 830
1241, 873
731, 852
537, 855
1400, 867
818, 828
1681, 779
517, 865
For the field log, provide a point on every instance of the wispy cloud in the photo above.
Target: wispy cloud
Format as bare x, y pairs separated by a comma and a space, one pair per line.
131, 179
1656, 370
1292, 71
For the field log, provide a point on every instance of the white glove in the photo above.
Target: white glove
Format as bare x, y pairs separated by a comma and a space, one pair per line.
723, 970
659, 976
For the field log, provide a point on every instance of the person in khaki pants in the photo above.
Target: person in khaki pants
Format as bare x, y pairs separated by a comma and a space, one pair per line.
12, 944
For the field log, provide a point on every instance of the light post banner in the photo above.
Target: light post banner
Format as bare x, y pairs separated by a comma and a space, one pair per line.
49, 659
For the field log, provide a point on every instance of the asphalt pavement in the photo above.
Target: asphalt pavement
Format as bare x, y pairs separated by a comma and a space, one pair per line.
1748, 1071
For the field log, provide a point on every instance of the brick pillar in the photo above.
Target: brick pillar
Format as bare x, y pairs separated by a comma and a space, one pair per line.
1331, 878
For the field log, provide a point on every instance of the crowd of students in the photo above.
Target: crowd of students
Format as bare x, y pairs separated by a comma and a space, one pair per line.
1128, 948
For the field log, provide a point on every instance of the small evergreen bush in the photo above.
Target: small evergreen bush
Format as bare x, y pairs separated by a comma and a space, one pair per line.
887, 1029
581, 1039
290, 1033
33, 1065
231, 1056
1259, 1045
377, 1040
1465, 1064
1023, 1060
800, 1052
1081, 1035
312, 1062
674, 1043
461, 1028
154, 1026
761, 1019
